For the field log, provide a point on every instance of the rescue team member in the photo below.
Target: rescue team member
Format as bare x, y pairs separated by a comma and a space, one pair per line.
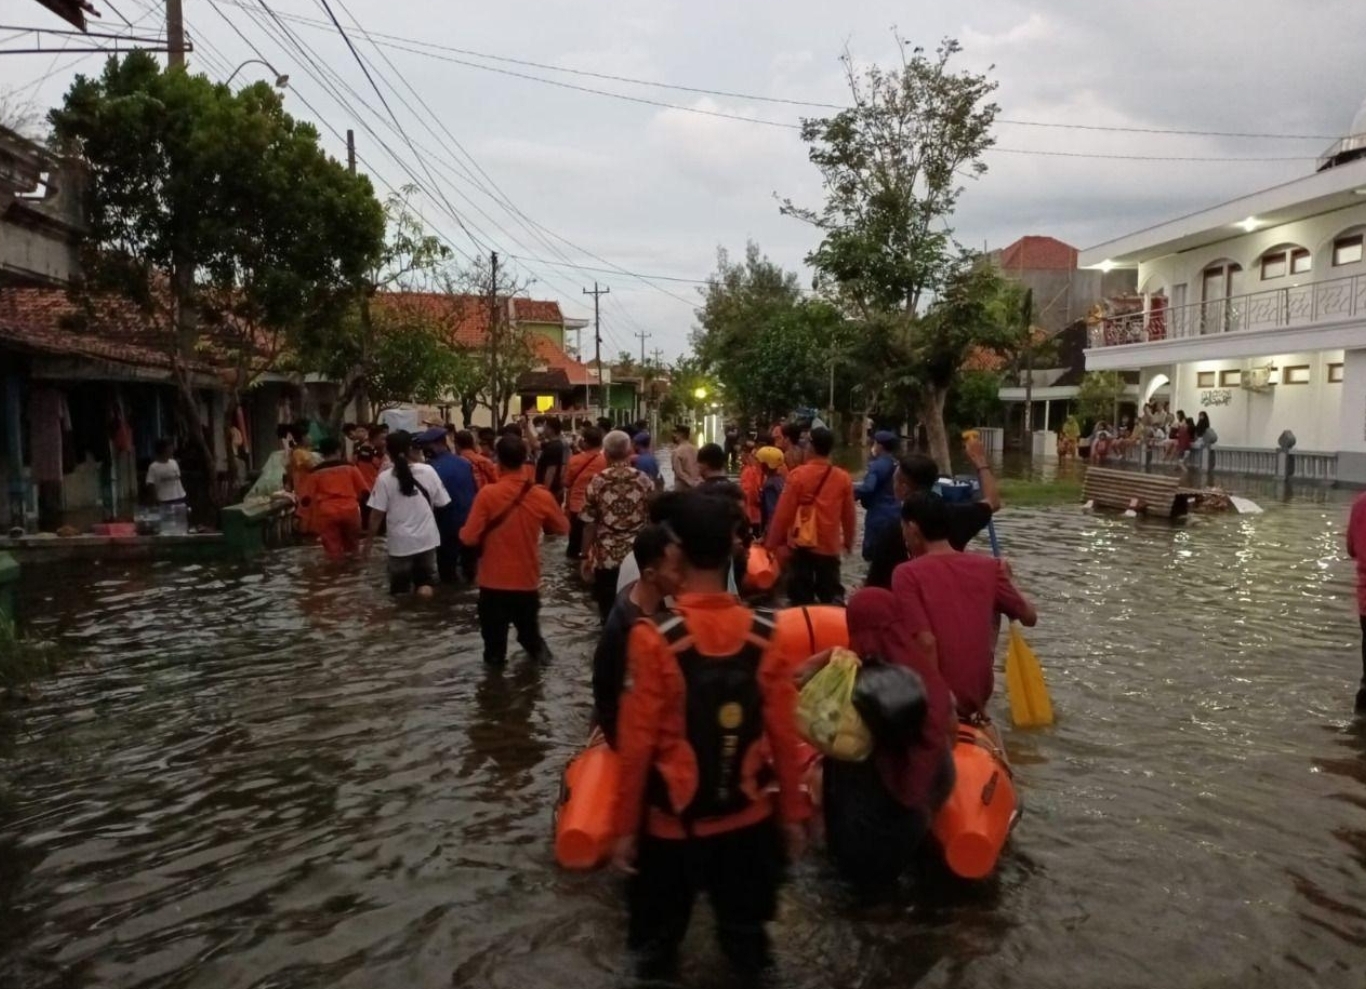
585, 465
487, 438
1356, 549
334, 492
793, 442
919, 473
516, 432
949, 601
485, 470
406, 496
814, 521
770, 460
657, 555
505, 525
457, 476
711, 462
877, 494
552, 457
708, 708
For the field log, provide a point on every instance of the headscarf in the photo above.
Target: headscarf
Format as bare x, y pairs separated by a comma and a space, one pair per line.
877, 629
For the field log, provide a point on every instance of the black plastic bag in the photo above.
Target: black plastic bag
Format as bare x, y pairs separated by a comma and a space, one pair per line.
891, 701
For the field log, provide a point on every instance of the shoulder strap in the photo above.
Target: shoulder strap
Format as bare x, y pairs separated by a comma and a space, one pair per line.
502, 516
817, 493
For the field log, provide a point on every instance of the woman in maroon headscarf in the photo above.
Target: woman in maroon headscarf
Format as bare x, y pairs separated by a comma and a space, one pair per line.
878, 812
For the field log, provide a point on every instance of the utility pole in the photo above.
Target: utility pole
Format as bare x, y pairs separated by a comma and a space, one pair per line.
351, 151
643, 336
1027, 318
175, 35
494, 391
597, 293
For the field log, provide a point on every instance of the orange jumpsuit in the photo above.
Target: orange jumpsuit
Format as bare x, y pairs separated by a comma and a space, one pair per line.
332, 493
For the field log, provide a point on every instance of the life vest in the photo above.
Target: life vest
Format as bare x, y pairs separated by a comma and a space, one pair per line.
724, 721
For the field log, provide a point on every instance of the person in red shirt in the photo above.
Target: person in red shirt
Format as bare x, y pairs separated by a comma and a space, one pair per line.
485, 470
707, 715
585, 465
1356, 549
826, 492
950, 601
752, 484
332, 497
505, 525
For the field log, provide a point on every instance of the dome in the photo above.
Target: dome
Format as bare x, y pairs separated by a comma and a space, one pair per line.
1351, 147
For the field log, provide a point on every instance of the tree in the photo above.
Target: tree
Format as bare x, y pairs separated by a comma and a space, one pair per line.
19, 114
1099, 395
207, 206
507, 352
892, 164
349, 349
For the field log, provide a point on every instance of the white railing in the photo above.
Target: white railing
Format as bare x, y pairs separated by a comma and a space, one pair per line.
1296, 305
1247, 460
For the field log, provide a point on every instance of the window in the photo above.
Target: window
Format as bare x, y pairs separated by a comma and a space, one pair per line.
1335, 374
1205, 379
1296, 374
1230, 379
1292, 260
1347, 250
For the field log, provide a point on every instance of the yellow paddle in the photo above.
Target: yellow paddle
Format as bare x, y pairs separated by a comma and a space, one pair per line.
1030, 705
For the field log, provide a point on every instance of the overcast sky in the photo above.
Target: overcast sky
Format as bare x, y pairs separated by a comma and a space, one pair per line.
655, 190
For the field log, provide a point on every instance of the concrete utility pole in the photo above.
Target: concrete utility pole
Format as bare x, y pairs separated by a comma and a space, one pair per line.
351, 150
1027, 318
175, 35
597, 294
643, 336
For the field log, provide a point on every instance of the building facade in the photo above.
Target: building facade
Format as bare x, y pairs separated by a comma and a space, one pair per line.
1254, 312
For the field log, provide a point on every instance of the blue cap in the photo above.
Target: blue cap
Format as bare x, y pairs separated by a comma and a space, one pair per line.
641, 439
887, 438
436, 434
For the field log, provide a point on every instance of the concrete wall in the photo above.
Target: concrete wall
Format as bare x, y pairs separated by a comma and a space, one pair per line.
1313, 411
1315, 234
1352, 420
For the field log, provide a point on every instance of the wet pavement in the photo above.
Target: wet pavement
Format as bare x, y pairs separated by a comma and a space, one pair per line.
273, 776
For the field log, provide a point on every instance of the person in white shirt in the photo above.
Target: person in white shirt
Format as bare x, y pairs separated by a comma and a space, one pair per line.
163, 476
407, 496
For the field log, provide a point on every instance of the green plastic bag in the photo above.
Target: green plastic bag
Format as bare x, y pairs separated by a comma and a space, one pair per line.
826, 716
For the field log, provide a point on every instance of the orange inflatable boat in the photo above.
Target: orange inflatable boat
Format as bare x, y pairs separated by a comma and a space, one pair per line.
583, 819
974, 823
761, 569
803, 632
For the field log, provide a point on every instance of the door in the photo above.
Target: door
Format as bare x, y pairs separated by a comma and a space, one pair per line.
1178, 321
1217, 296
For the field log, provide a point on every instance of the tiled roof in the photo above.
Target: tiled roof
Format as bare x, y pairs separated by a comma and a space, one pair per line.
1035, 253
47, 321
466, 322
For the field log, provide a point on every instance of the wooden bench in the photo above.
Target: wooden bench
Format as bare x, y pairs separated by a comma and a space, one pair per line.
1150, 494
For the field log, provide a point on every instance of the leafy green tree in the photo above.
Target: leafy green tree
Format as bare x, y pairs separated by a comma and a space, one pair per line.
892, 165
975, 400
1099, 395
202, 201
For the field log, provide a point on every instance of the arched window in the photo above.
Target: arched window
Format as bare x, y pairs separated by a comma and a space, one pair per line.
1286, 259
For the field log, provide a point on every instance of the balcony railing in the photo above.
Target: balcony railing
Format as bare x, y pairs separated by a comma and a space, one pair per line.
1296, 305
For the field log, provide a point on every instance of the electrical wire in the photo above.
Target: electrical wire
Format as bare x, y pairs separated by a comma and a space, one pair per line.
786, 101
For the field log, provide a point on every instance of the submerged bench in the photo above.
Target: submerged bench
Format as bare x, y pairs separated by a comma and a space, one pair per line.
1149, 494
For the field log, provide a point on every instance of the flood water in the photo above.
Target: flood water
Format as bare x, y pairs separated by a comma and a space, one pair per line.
272, 776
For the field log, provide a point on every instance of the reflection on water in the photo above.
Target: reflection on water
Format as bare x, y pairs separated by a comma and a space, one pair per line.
274, 776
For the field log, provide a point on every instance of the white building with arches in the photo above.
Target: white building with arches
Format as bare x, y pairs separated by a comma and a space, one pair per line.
1254, 311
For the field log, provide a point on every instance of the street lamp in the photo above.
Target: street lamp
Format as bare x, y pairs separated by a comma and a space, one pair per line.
281, 80
700, 394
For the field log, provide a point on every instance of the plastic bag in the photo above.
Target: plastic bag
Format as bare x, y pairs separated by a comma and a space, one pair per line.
826, 716
891, 701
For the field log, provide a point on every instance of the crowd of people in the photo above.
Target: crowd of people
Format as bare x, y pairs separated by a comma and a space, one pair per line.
692, 683
1174, 436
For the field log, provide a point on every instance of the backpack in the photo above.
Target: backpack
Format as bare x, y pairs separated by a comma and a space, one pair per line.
806, 530
724, 718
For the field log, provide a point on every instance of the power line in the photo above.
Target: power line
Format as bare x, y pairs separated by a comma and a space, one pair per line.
787, 101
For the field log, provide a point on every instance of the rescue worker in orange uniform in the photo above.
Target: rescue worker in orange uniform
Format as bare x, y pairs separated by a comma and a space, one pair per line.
707, 722
752, 484
485, 470
585, 465
332, 495
814, 522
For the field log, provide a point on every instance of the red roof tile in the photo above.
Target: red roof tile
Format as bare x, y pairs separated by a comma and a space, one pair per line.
1038, 254
46, 320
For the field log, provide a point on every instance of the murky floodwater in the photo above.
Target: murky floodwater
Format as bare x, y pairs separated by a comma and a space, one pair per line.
273, 776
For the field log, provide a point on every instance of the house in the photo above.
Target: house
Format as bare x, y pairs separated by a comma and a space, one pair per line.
83, 400
1254, 311
555, 381
1063, 292
41, 220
